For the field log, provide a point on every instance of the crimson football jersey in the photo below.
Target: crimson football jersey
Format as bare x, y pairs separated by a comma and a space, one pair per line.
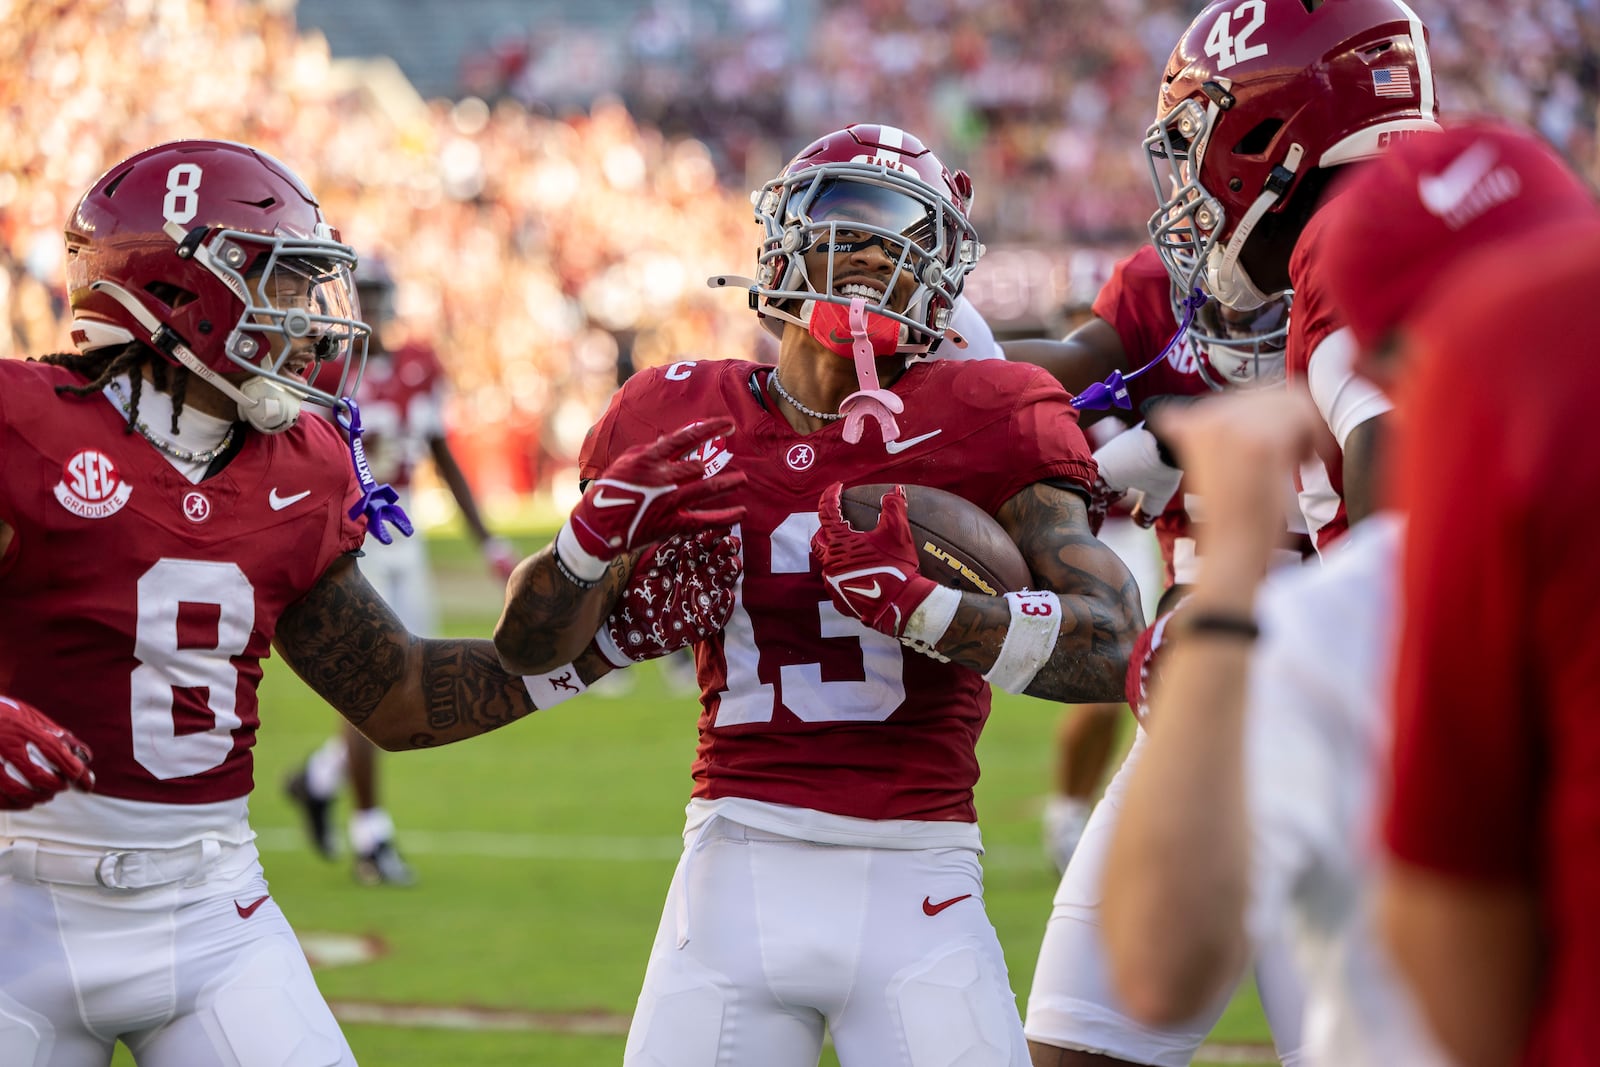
1315, 317
1137, 302
136, 607
801, 705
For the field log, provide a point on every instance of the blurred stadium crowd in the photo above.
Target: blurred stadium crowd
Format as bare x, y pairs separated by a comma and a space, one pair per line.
546, 249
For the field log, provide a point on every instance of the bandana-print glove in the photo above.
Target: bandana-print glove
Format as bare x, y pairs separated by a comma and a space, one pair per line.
680, 593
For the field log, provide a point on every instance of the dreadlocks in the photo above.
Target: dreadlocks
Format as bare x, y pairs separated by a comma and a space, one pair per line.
102, 365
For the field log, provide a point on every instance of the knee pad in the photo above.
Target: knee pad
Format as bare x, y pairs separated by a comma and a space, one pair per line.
266, 1011
956, 1008
26, 1037
680, 1015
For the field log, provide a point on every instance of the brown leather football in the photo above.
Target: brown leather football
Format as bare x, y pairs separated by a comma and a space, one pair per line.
958, 543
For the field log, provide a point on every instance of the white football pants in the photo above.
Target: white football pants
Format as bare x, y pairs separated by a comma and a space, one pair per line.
1071, 1004
184, 974
764, 939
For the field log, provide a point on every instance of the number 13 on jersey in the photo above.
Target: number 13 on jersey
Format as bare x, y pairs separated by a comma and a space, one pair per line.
872, 697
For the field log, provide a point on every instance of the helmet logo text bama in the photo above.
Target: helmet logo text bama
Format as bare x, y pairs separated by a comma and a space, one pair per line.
891, 160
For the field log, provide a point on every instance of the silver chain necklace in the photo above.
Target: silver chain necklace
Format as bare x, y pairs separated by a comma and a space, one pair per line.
801, 408
175, 451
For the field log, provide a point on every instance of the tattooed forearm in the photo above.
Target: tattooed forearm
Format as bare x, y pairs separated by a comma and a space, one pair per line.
403, 691
1101, 614
547, 619
468, 693
344, 641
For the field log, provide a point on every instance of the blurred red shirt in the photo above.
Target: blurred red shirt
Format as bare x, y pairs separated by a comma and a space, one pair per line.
1497, 743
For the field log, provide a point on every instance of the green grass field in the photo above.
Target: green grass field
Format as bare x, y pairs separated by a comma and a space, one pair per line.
544, 853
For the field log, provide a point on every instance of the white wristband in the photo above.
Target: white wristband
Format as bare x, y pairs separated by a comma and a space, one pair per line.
557, 687
932, 617
571, 554
1031, 637
610, 650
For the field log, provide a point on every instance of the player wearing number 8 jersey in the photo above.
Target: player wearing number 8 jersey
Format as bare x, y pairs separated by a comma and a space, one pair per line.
831, 872
166, 519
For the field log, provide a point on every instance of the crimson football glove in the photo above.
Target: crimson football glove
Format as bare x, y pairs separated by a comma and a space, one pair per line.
872, 576
1144, 664
38, 759
679, 593
648, 493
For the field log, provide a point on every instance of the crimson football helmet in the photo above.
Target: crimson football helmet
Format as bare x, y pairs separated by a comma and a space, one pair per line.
860, 185
218, 257
1256, 95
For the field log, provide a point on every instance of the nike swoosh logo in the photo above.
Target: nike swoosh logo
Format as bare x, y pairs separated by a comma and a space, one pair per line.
870, 592
930, 908
603, 501
280, 502
247, 910
894, 448
1444, 192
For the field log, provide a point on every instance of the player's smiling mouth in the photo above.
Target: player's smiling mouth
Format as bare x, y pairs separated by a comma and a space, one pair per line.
866, 290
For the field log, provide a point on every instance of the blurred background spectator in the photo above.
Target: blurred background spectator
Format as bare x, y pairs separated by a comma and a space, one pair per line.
551, 184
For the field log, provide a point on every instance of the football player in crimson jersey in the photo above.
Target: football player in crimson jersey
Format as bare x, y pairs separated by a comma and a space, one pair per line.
167, 518
402, 397
1262, 103
830, 875
1135, 334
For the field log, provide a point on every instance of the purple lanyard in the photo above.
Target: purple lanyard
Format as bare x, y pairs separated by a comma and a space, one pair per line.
379, 503
1114, 390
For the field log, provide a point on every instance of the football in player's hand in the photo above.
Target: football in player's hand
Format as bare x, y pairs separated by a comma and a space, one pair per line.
958, 543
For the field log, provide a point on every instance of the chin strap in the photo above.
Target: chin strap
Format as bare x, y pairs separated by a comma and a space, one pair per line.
272, 410
379, 503
1244, 295
771, 311
870, 401
1114, 390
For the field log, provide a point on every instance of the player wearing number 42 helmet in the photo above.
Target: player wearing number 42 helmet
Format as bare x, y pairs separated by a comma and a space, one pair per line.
1262, 104
167, 518
830, 879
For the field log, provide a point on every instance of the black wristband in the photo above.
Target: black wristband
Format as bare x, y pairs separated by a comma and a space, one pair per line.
566, 572
1219, 623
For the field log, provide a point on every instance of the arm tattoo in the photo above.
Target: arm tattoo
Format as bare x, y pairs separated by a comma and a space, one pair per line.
547, 620
345, 641
402, 690
1101, 613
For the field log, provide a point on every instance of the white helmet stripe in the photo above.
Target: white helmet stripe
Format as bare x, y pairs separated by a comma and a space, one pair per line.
891, 138
1419, 46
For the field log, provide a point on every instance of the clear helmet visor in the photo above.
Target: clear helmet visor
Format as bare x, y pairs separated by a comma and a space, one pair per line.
861, 209
301, 313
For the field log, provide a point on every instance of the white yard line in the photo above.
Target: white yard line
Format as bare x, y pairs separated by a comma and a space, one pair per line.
604, 848
604, 1024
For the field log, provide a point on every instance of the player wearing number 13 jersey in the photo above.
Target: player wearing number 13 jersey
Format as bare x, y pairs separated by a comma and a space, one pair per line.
830, 875
166, 519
